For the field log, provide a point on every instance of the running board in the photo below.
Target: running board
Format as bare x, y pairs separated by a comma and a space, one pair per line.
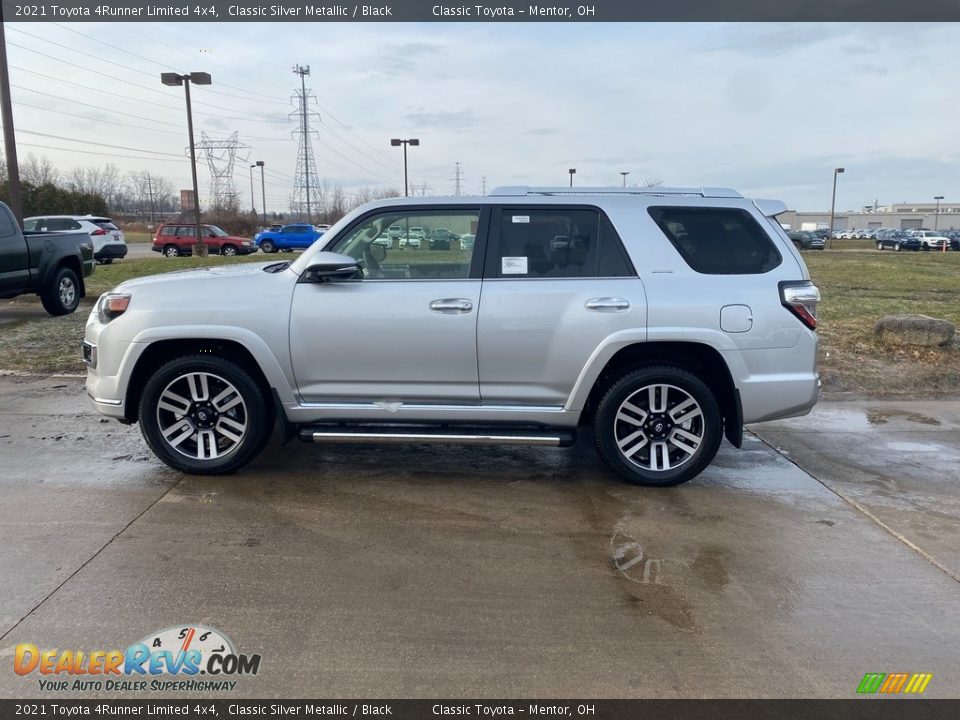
441, 435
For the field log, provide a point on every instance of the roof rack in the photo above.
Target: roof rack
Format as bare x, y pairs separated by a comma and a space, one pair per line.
707, 192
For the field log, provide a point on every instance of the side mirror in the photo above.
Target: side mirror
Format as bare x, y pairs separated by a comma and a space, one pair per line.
331, 267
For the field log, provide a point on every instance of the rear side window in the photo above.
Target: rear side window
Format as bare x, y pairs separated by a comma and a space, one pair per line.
28, 225
558, 243
169, 230
105, 224
718, 241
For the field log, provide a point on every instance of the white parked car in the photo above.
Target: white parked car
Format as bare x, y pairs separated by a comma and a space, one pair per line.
109, 243
931, 240
411, 240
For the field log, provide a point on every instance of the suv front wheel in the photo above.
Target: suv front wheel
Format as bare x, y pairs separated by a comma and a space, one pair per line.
658, 426
204, 415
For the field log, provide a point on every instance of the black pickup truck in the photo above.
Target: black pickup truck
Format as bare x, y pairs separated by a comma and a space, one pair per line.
51, 265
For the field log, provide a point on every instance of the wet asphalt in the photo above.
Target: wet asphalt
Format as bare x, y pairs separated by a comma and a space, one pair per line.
827, 547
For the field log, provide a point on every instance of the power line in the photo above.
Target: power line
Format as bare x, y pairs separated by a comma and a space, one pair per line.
95, 107
100, 144
99, 120
98, 153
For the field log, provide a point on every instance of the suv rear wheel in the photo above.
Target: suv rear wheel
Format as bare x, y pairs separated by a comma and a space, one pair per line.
204, 415
62, 295
658, 426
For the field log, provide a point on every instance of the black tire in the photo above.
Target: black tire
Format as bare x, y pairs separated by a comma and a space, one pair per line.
105, 261
253, 411
171, 251
607, 428
62, 295
268, 247
798, 246
229, 250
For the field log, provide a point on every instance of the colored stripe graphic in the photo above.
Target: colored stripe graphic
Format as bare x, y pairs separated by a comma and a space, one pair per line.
893, 683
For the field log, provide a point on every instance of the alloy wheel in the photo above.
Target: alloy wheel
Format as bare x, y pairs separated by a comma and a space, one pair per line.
68, 292
202, 416
659, 427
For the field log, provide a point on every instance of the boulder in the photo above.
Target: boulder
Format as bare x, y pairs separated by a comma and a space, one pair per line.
914, 330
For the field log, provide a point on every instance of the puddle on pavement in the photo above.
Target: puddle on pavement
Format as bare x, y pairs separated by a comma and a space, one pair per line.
876, 416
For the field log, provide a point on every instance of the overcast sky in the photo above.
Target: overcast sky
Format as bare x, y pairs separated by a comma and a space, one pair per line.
768, 109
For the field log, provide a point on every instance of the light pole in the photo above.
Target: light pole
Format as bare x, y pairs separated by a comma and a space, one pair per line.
263, 192
624, 173
253, 200
833, 203
572, 171
936, 215
197, 78
397, 142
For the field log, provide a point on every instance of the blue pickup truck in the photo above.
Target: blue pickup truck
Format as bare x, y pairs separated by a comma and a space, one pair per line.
289, 237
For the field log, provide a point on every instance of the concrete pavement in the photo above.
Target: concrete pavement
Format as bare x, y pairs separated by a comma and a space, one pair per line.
445, 571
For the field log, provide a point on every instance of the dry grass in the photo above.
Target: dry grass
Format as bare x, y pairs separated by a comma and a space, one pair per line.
860, 287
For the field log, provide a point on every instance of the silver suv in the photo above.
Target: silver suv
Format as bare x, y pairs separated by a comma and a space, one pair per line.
658, 320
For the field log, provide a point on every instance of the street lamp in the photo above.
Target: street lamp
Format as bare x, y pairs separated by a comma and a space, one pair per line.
572, 171
396, 142
197, 78
263, 191
253, 200
936, 215
624, 173
833, 203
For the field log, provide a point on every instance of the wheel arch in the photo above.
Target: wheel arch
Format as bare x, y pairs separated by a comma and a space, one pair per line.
67, 261
161, 351
700, 358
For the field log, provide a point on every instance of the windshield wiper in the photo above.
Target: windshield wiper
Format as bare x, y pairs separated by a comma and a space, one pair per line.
277, 267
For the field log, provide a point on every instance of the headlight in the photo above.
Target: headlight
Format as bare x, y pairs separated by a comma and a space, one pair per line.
112, 305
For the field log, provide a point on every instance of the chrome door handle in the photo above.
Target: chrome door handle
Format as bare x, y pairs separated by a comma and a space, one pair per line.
451, 305
608, 304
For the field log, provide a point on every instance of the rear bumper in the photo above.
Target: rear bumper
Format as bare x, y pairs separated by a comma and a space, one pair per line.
111, 251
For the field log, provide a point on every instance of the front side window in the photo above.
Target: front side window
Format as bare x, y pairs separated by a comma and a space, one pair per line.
187, 231
558, 243
717, 241
411, 254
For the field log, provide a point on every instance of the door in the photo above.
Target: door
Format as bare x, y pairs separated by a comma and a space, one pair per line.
557, 282
14, 258
406, 331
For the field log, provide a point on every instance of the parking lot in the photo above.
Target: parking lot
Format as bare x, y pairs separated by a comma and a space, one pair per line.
828, 547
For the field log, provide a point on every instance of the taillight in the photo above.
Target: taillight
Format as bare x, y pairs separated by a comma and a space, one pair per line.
99, 231
801, 298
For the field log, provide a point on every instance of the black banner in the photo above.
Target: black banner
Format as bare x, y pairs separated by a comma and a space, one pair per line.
859, 709
492, 11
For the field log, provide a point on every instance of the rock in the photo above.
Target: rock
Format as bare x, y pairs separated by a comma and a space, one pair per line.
914, 330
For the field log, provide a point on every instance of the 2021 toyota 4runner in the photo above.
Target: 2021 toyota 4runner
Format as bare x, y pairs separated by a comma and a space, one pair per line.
665, 320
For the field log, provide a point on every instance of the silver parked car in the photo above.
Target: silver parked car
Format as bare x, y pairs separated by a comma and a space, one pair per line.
666, 320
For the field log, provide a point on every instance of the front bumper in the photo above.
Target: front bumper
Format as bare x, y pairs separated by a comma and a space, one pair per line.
247, 249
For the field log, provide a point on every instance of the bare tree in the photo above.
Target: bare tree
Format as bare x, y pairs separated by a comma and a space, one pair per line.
651, 182
39, 171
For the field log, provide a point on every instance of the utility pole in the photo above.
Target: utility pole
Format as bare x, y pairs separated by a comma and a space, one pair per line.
263, 192
457, 179
483, 185
9, 137
150, 193
833, 204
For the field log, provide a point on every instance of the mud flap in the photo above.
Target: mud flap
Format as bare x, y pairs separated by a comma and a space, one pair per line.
285, 428
733, 420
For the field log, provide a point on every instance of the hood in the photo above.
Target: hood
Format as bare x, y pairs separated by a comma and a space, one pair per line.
195, 275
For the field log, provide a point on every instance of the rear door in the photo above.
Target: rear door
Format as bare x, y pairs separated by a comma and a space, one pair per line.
557, 282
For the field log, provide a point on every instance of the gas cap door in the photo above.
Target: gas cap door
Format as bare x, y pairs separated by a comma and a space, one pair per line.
736, 318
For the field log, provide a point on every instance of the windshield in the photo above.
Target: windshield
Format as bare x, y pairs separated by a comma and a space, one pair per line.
216, 231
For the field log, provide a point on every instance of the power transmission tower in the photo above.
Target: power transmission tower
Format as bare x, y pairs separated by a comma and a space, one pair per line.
305, 176
457, 179
221, 156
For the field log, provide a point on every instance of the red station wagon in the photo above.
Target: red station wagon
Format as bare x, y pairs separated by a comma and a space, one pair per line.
178, 239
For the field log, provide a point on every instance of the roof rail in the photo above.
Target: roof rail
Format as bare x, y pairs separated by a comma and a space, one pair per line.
707, 192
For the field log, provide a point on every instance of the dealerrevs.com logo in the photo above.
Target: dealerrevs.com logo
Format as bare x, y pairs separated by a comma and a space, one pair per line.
190, 658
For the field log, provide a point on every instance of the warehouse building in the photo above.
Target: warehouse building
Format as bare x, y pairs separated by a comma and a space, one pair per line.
899, 216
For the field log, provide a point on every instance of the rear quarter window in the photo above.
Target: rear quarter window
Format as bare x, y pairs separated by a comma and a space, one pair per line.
718, 241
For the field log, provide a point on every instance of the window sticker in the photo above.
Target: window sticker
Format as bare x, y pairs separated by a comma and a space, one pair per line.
513, 266
521, 218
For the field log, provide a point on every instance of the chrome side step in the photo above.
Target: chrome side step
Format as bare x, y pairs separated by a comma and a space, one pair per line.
442, 435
